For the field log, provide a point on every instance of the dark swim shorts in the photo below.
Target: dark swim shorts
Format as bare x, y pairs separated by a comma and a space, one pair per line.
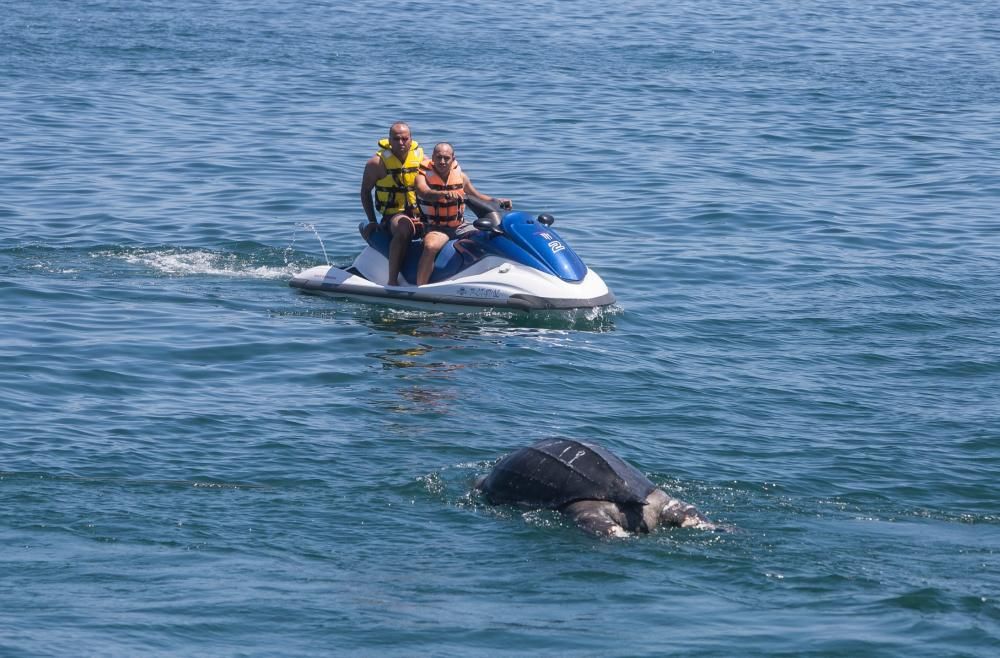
451, 231
422, 227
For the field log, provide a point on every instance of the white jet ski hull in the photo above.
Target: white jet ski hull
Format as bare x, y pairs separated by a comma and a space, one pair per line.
517, 261
491, 283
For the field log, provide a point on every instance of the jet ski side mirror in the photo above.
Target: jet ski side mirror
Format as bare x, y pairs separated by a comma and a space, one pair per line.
490, 223
545, 219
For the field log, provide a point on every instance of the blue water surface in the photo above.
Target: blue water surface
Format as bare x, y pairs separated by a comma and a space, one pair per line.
797, 205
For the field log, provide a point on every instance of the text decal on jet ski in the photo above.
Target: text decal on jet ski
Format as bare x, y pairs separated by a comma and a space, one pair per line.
480, 293
554, 244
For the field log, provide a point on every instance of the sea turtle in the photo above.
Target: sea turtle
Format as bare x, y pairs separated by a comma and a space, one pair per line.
603, 494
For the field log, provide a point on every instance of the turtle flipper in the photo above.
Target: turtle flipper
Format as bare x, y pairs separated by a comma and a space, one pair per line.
598, 517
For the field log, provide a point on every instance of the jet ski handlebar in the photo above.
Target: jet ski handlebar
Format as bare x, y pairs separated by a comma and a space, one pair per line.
484, 208
488, 214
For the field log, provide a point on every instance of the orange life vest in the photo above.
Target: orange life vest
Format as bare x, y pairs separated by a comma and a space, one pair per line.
443, 211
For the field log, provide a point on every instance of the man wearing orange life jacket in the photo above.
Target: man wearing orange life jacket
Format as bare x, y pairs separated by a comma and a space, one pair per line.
390, 173
441, 190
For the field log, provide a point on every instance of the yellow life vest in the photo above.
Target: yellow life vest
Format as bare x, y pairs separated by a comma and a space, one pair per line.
394, 192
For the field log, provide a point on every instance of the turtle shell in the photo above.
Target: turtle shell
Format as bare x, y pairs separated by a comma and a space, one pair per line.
556, 472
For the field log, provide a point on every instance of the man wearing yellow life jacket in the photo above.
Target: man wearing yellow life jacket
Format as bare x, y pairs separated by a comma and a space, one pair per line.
441, 190
391, 174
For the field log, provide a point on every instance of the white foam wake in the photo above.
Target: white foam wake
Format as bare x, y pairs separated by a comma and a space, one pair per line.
179, 262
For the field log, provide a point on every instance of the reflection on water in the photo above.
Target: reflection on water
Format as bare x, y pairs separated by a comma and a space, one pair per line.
480, 323
423, 386
426, 370
407, 357
401, 358
424, 399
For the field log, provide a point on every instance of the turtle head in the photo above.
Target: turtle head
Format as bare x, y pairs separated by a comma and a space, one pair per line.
679, 514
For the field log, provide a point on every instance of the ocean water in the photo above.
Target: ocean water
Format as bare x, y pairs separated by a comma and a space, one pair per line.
797, 205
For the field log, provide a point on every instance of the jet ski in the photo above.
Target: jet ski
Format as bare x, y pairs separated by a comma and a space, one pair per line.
515, 260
